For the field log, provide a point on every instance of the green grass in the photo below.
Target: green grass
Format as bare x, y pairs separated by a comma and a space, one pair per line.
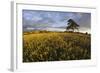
56, 46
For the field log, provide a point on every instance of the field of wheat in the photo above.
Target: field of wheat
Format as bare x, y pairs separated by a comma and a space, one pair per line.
56, 46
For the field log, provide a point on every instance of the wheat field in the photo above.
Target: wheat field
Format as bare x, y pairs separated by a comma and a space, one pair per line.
56, 46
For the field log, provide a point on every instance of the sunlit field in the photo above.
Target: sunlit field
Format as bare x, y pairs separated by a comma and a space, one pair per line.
41, 46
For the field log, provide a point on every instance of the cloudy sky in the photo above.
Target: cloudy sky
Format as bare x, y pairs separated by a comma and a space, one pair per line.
54, 21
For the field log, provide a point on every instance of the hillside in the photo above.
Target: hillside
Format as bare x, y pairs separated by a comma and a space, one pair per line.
55, 46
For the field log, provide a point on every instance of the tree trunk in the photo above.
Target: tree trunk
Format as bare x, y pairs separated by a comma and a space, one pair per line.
73, 30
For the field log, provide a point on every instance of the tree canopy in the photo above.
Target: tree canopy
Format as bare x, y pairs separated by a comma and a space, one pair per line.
72, 25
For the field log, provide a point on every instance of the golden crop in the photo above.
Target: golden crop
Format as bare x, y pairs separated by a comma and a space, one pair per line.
56, 46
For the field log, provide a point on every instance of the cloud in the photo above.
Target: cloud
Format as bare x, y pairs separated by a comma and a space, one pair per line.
36, 18
45, 19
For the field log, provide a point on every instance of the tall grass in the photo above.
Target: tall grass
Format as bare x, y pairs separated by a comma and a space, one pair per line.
56, 46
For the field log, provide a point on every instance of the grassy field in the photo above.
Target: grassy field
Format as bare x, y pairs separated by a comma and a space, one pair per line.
56, 46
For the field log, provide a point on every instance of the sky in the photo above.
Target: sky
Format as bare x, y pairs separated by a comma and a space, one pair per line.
54, 20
